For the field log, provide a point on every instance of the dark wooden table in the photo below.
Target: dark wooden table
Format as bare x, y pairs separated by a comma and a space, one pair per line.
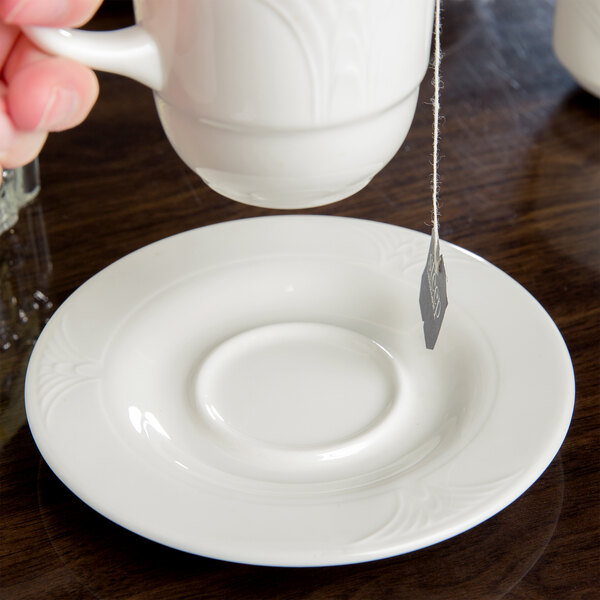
520, 187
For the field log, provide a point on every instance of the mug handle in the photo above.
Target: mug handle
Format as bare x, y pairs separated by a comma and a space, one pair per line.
130, 51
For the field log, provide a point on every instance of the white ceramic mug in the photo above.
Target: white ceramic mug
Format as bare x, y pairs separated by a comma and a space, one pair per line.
275, 103
576, 41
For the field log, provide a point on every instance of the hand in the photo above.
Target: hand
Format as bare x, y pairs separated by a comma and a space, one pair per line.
39, 93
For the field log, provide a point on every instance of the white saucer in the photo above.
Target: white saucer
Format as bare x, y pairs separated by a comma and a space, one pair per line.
259, 391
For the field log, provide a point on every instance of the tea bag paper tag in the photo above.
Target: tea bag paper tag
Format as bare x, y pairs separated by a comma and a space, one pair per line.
433, 298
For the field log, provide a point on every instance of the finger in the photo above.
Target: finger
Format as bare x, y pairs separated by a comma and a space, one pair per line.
50, 13
48, 93
7, 129
26, 146
8, 36
17, 148
51, 95
23, 52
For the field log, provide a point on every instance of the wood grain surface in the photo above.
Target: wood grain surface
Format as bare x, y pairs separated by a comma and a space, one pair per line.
520, 187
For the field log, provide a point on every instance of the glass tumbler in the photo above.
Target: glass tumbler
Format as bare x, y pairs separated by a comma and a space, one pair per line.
19, 186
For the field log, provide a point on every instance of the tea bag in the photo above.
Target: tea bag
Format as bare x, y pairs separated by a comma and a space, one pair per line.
433, 298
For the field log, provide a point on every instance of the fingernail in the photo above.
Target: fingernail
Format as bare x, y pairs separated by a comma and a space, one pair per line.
25, 12
59, 110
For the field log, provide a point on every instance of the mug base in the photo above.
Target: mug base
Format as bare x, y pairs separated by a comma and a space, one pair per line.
290, 200
288, 169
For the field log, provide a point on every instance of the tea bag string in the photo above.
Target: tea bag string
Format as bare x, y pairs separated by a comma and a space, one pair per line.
437, 59
433, 296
